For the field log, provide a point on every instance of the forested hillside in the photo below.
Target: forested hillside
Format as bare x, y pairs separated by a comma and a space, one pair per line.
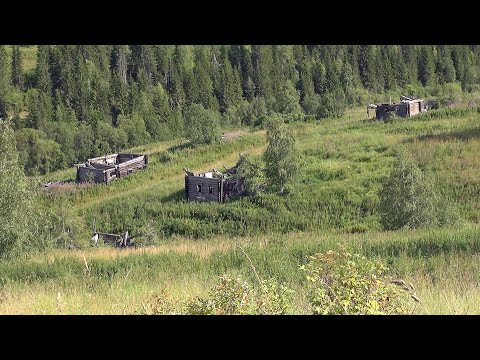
71, 102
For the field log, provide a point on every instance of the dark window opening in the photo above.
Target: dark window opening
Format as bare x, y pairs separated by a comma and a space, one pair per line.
199, 188
397, 108
210, 189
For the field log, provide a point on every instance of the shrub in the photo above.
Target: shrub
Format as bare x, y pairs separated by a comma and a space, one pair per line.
202, 126
408, 198
235, 296
159, 304
252, 170
348, 284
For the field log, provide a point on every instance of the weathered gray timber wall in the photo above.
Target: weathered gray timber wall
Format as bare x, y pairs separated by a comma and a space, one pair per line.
199, 188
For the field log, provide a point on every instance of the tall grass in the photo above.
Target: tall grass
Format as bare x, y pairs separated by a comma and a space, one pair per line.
442, 259
333, 199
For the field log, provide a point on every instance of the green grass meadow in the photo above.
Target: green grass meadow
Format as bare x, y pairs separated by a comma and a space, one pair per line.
184, 247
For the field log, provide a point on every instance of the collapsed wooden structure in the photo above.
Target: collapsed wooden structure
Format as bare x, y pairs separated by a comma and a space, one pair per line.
116, 240
407, 107
214, 185
106, 168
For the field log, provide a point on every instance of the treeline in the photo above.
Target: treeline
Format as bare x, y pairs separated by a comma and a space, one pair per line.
87, 100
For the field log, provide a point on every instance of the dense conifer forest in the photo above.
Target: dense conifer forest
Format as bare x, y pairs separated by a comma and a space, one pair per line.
71, 102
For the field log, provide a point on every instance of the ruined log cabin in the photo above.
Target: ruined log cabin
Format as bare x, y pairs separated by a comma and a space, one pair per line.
106, 168
407, 107
213, 185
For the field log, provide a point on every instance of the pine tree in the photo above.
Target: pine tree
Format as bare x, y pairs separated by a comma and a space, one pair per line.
263, 64
119, 84
43, 78
39, 107
203, 81
66, 77
230, 91
144, 59
411, 61
4, 81
247, 72
426, 66
17, 67
389, 59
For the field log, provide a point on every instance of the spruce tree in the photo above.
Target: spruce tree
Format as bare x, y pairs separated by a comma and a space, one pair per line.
4, 81
43, 78
17, 67
426, 66
263, 63
203, 81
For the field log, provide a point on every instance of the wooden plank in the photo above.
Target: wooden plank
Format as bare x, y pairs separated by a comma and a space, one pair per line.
140, 160
102, 158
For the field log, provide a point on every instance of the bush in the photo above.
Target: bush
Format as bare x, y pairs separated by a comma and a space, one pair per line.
235, 296
202, 126
159, 304
340, 283
252, 170
408, 198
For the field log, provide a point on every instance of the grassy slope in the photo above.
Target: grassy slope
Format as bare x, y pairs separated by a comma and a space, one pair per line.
335, 196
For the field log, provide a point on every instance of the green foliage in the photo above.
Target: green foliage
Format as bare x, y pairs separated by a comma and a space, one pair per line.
252, 169
134, 127
332, 105
282, 158
247, 113
19, 228
288, 100
42, 73
17, 67
235, 296
408, 198
341, 283
4, 81
39, 109
109, 139
201, 126
37, 154
84, 140
159, 304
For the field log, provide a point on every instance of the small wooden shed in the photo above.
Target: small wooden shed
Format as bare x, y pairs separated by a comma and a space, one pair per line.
106, 168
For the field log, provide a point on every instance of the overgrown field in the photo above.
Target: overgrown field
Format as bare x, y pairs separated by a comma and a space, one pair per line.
334, 199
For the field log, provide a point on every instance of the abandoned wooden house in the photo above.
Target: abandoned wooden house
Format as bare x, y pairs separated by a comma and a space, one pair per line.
213, 185
407, 107
106, 168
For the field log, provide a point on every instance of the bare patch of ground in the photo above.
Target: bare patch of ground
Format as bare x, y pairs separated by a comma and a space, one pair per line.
230, 135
